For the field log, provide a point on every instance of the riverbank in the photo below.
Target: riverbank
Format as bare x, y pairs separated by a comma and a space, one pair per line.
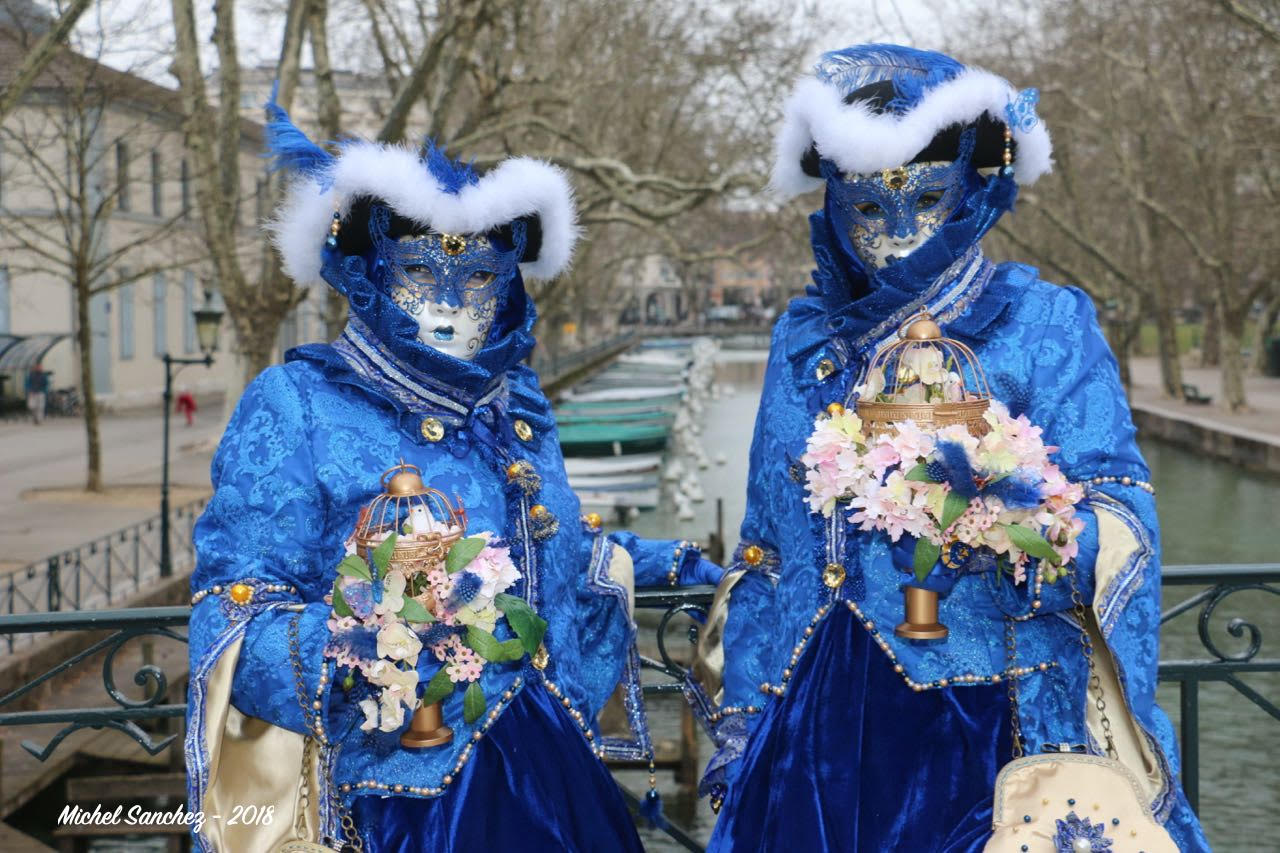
1249, 439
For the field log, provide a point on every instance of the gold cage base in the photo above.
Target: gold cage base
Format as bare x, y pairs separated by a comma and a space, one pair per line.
880, 418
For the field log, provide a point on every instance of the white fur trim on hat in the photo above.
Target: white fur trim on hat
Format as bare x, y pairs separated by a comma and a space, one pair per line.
516, 188
859, 140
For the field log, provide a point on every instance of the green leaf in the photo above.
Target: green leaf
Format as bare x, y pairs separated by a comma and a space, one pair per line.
438, 687
473, 703
382, 554
920, 473
462, 553
528, 625
354, 567
512, 649
413, 611
951, 510
340, 605
926, 556
1032, 543
484, 644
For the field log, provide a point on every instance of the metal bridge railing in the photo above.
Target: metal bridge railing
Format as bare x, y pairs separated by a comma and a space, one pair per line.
1219, 663
97, 574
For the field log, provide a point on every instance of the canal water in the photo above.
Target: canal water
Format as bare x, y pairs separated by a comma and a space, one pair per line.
1210, 512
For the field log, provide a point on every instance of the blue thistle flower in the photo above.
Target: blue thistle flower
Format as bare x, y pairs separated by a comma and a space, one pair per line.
437, 633
466, 586
936, 471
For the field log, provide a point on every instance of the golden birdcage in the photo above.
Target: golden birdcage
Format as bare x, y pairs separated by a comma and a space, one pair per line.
893, 388
427, 524
408, 506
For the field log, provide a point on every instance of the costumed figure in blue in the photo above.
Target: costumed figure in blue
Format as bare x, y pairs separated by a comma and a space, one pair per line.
833, 733
429, 371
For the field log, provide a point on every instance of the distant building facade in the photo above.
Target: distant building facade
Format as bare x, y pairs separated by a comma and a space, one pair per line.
88, 136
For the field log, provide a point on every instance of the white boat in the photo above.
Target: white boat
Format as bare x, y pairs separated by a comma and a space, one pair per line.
588, 466
642, 499
648, 392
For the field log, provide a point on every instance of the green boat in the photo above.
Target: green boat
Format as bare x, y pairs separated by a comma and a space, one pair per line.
612, 439
648, 416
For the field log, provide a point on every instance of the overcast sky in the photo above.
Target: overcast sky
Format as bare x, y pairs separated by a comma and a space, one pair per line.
139, 31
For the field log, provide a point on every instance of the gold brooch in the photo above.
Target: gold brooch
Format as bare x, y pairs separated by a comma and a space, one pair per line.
453, 244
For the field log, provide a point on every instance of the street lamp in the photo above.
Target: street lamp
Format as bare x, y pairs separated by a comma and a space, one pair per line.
208, 319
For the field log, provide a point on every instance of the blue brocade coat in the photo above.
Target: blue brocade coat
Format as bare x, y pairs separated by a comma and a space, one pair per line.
302, 454
835, 734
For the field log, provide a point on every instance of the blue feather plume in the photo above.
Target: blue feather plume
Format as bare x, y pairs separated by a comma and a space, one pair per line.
1018, 491
287, 146
911, 70
451, 174
959, 473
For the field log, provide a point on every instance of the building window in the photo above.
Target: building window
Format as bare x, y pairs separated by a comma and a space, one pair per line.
188, 306
159, 313
157, 186
4, 300
186, 190
126, 320
122, 177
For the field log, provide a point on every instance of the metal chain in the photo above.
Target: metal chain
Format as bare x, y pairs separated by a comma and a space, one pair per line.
354, 841
1011, 679
1095, 681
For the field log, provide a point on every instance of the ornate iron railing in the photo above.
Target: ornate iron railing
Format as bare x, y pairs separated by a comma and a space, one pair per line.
1218, 584
98, 573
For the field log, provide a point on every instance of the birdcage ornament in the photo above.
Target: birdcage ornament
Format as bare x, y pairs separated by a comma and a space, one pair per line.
925, 378
935, 382
426, 525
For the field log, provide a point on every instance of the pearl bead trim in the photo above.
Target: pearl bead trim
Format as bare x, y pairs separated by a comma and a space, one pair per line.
225, 589
673, 573
780, 688
1125, 481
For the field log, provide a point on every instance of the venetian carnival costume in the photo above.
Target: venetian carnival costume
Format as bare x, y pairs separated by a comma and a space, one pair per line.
833, 733
429, 370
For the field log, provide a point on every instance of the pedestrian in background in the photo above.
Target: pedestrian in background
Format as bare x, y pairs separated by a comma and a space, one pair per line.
186, 405
37, 392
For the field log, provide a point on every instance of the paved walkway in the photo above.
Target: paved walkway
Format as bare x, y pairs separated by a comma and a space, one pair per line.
1262, 423
53, 456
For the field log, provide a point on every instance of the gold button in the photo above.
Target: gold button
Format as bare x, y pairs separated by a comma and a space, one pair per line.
825, 368
432, 429
241, 593
753, 555
515, 469
537, 511
524, 432
540, 658
833, 575
835, 409
593, 520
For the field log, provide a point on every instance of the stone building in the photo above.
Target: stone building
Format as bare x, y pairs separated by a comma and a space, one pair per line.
94, 176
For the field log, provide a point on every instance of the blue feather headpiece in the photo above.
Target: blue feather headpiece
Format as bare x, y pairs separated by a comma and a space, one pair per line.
911, 71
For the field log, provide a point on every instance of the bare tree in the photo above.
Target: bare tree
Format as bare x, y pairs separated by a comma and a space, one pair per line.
85, 142
40, 52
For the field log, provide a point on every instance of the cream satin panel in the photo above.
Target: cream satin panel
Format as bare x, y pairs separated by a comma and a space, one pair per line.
251, 763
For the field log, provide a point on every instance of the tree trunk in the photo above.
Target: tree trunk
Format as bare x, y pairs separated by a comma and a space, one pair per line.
84, 342
1167, 340
1266, 329
1231, 335
1211, 345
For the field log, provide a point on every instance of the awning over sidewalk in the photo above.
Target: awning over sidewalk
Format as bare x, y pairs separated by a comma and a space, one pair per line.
22, 352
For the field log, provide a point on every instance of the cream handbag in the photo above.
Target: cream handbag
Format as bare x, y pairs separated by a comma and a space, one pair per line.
1068, 801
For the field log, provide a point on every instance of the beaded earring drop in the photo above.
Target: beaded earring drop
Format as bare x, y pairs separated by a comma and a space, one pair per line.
334, 227
1007, 169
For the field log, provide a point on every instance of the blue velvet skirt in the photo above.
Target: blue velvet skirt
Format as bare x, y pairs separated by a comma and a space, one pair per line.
531, 784
852, 759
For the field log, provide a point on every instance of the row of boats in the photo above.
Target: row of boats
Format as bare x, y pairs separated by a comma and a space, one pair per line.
632, 428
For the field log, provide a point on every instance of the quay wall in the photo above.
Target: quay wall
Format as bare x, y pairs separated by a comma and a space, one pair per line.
1249, 449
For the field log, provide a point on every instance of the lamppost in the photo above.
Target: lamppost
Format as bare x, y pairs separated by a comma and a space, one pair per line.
208, 318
